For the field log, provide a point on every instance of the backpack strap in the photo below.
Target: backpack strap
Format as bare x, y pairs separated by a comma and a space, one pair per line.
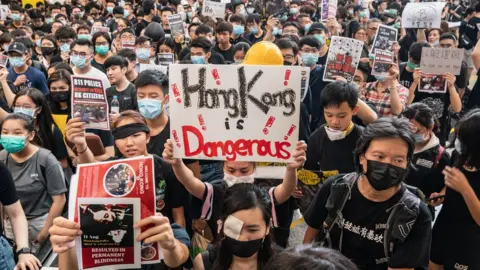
438, 156
207, 264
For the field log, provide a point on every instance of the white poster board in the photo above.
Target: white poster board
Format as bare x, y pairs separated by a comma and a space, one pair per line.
422, 15
441, 60
213, 9
163, 69
234, 112
4, 9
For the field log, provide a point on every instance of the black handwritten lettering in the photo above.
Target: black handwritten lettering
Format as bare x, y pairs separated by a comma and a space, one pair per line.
240, 124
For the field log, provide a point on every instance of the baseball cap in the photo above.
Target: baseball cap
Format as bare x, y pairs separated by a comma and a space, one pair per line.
18, 48
317, 26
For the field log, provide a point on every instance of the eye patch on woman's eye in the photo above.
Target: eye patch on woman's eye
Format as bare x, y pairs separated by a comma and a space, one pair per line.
232, 227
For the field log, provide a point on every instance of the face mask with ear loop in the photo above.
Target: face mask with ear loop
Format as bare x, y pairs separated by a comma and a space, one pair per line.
232, 229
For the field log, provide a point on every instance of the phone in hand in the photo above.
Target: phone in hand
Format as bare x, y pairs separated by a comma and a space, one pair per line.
435, 198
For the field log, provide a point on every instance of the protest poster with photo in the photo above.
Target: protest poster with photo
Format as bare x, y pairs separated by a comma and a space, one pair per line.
343, 58
384, 39
441, 60
108, 236
131, 178
329, 9
382, 62
175, 22
305, 79
100, 29
422, 15
431, 83
163, 69
89, 102
165, 58
3, 60
235, 112
213, 9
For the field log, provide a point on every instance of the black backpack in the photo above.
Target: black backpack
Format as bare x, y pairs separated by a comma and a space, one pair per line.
400, 220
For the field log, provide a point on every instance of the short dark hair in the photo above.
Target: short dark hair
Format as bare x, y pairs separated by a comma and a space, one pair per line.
477, 7
241, 46
148, 6
82, 42
165, 9
468, 11
16, 7
310, 41
115, 60
421, 113
152, 77
16, 33
26, 41
142, 39
128, 53
84, 26
224, 27
65, 32
385, 127
192, 25
415, 51
467, 131
336, 93
294, 24
60, 65
98, 34
448, 36
254, 18
237, 19
365, 69
202, 42
285, 43
126, 30
203, 29
6, 38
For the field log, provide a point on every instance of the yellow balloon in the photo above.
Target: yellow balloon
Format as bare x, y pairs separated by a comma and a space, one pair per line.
264, 53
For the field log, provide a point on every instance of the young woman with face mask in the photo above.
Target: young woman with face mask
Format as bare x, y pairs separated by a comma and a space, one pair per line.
49, 49
456, 233
39, 177
244, 224
101, 42
209, 197
429, 158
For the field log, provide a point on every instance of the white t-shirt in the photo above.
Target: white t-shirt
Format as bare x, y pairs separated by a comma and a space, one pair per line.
96, 74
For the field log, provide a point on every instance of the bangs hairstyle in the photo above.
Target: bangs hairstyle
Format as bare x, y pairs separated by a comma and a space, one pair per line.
115, 60
131, 115
334, 94
468, 129
60, 75
28, 121
386, 127
421, 113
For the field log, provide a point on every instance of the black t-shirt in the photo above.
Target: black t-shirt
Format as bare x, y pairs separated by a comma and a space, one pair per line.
322, 60
239, 39
60, 151
474, 98
143, 24
363, 230
157, 143
215, 58
459, 10
227, 55
471, 29
253, 39
126, 98
98, 66
8, 192
326, 155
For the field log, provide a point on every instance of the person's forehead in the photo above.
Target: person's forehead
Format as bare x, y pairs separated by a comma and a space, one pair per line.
196, 49
150, 88
447, 41
287, 51
290, 27
390, 146
79, 48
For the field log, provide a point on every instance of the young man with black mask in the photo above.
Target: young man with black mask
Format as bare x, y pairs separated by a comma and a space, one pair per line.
289, 51
372, 217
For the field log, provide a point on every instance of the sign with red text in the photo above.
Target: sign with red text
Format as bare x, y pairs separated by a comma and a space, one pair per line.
128, 188
235, 112
89, 102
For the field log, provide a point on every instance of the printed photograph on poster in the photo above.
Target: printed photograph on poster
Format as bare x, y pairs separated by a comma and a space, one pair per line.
175, 22
382, 62
126, 178
441, 60
342, 59
329, 9
324, 13
433, 84
384, 38
165, 58
234, 112
89, 102
422, 15
108, 236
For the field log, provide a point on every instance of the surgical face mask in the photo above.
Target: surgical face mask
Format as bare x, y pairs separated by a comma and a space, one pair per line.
419, 138
238, 61
126, 13
335, 135
238, 29
243, 11
143, 53
458, 146
411, 65
307, 27
5, 47
78, 61
362, 14
38, 43
26, 111
84, 36
49, 20
110, 10
189, 14
13, 144
320, 39
350, 11
232, 180
293, 11
309, 59
435, 44
197, 59
254, 30
382, 176
150, 108
380, 78
101, 49
63, 22
65, 47
275, 31
16, 61
17, 17
250, 10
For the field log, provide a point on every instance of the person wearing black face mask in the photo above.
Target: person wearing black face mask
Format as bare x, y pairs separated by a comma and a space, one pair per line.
370, 215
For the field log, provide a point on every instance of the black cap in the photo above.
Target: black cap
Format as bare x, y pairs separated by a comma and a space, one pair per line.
118, 10
317, 26
17, 47
358, 8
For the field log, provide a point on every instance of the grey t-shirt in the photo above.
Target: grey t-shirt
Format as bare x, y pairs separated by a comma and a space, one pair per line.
36, 186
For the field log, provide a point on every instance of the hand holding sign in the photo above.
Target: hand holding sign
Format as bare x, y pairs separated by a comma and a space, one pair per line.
75, 132
161, 231
63, 234
299, 156
168, 153
450, 79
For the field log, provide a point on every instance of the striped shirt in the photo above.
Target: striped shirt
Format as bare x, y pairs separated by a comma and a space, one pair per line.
382, 100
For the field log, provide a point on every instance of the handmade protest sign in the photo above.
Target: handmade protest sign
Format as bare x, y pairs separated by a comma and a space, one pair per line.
100, 29
422, 15
4, 9
384, 38
213, 9
441, 60
432, 83
175, 22
234, 112
89, 102
342, 59
165, 58
127, 183
329, 9
382, 62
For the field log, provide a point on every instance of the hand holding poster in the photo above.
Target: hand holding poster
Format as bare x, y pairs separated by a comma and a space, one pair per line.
434, 84
165, 58
384, 38
441, 60
89, 102
114, 193
382, 63
213, 9
422, 15
175, 22
342, 59
231, 112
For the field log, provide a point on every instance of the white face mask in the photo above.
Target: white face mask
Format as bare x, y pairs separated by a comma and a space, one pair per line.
335, 135
232, 180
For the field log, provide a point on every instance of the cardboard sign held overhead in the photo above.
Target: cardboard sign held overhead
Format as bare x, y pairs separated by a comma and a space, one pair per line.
441, 60
89, 102
235, 112
422, 15
342, 59
329, 9
175, 22
384, 38
213, 9
382, 62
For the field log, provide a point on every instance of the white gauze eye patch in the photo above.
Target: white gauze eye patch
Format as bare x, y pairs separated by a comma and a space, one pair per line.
232, 227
